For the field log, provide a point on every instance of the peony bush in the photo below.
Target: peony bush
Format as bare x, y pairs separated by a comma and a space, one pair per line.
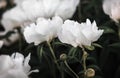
59, 39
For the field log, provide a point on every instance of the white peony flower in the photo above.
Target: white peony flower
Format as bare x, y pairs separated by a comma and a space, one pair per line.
69, 32
15, 66
89, 32
13, 18
33, 12
1, 43
43, 30
66, 8
24, 13
112, 8
78, 34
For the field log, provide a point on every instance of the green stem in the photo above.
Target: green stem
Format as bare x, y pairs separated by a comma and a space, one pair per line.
53, 54
70, 69
84, 61
62, 72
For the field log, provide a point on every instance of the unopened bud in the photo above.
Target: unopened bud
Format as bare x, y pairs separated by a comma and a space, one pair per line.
90, 72
63, 56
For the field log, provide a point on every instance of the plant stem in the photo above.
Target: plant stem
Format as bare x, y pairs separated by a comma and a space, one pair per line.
62, 72
70, 69
53, 54
84, 61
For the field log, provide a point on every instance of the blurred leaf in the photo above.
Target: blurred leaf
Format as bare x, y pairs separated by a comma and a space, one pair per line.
97, 45
72, 51
40, 52
107, 30
91, 48
73, 59
59, 43
117, 45
81, 72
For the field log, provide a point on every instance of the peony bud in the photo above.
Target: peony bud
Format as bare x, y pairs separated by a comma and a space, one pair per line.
63, 56
90, 72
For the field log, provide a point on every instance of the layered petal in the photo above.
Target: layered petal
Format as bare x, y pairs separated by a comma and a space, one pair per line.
44, 30
15, 66
79, 34
31, 35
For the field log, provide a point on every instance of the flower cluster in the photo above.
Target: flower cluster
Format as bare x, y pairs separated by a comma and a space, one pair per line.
27, 11
15, 66
71, 32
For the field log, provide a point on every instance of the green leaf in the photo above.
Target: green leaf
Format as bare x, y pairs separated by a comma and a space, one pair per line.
107, 30
97, 45
91, 48
40, 52
81, 72
73, 59
117, 45
72, 51
59, 43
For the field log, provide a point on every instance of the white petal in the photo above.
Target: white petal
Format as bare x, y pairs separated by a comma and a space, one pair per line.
50, 6
26, 64
31, 35
66, 11
15, 73
43, 26
107, 6
5, 63
1, 43
67, 37
18, 60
